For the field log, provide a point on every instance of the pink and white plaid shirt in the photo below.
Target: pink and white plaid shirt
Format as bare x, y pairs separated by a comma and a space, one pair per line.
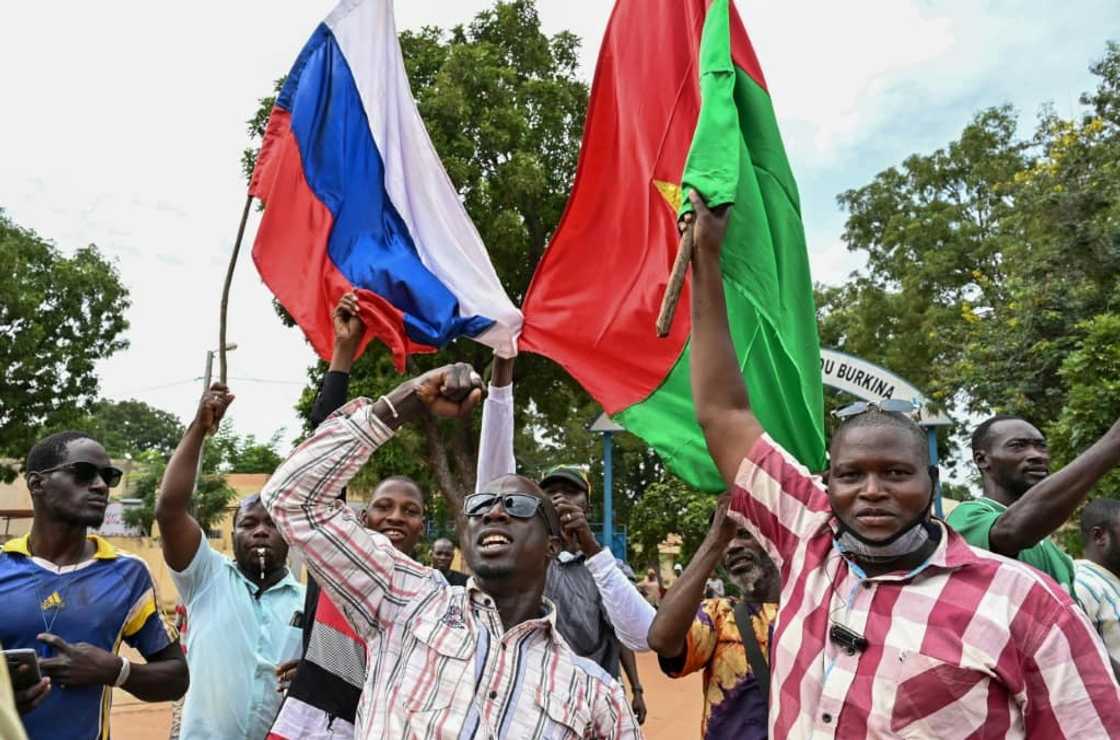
968, 645
440, 663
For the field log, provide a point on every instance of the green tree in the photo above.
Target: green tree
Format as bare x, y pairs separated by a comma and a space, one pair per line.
59, 315
229, 452
931, 232
669, 507
505, 109
130, 428
210, 502
990, 261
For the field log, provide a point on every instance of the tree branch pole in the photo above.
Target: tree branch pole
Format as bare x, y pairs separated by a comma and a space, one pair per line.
676, 284
225, 290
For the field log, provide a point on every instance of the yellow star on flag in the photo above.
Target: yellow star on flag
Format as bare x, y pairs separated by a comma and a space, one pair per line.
671, 192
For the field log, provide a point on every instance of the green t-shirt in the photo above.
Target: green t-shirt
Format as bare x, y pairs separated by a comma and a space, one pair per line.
974, 520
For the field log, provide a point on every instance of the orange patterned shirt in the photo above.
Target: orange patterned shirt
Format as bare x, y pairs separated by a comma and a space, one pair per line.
733, 705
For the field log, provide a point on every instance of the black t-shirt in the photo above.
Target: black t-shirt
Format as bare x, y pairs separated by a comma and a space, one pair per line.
455, 578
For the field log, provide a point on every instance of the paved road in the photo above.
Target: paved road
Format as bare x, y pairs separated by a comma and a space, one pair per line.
674, 709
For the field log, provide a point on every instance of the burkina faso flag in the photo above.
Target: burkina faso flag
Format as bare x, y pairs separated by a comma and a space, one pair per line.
678, 102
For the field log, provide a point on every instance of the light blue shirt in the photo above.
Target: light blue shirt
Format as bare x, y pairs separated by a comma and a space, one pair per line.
234, 643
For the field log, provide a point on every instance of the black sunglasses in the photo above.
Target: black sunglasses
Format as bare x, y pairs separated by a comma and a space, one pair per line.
520, 505
887, 405
85, 473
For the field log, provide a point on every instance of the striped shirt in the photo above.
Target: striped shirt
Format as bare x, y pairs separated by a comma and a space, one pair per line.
969, 644
1098, 590
440, 663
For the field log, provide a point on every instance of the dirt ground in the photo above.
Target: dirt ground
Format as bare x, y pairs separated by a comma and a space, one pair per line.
674, 709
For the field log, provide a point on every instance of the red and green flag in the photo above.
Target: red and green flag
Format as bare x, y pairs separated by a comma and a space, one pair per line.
679, 102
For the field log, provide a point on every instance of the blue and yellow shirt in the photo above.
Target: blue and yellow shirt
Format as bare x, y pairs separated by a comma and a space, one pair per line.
101, 601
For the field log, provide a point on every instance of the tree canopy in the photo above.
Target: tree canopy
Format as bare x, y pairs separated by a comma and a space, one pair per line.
992, 268
129, 428
225, 452
59, 315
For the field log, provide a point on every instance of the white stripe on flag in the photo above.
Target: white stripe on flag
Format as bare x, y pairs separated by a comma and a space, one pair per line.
446, 239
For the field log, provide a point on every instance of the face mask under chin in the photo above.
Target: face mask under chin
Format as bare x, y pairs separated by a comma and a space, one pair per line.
900, 545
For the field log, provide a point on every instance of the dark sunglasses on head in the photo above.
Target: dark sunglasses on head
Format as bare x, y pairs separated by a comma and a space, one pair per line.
85, 473
520, 505
888, 406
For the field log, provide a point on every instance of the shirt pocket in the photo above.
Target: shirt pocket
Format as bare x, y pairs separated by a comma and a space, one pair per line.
936, 698
437, 663
567, 717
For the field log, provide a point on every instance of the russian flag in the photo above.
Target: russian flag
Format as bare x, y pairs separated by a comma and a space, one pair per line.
356, 198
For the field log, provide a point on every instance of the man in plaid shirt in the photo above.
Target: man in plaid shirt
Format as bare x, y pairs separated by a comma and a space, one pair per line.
481, 660
889, 623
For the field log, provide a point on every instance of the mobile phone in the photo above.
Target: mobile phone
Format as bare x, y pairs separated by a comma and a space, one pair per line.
23, 667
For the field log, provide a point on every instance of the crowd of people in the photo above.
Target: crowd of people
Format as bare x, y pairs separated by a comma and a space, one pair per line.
853, 611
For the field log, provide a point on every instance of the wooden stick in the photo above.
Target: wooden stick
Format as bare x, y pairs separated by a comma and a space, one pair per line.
225, 291
676, 284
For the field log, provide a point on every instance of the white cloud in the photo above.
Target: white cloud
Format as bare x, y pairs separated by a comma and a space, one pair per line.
124, 125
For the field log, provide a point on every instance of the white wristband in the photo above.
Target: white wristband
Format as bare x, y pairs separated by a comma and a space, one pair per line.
392, 408
126, 668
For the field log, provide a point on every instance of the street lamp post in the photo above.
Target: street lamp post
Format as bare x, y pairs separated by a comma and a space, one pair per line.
206, 377
606, 426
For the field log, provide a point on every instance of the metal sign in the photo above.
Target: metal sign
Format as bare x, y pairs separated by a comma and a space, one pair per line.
604, 423
869, 382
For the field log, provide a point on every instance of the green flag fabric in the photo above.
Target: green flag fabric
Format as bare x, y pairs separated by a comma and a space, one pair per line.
737, 158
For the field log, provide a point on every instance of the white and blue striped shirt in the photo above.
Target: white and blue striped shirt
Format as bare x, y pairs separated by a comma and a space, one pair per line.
1098, 590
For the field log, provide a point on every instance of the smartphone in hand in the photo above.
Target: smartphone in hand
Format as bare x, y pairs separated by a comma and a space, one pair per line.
23, 667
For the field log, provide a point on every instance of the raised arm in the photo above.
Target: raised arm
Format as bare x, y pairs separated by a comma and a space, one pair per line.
360, 570
180, 534
718, 390
348, 331
1052, 501
627, 610
495, 445
673, 620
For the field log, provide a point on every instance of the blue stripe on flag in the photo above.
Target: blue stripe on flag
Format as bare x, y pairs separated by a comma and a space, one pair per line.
369, 243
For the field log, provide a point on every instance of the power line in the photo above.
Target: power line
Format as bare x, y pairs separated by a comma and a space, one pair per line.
160, 387
197, 379
264, 380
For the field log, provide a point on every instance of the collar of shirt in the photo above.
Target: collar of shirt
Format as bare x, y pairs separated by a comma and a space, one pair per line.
485, 602
21, 546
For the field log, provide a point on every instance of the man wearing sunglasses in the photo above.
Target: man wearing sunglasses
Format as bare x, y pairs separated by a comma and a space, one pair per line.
72, 597
451, 661
889, 623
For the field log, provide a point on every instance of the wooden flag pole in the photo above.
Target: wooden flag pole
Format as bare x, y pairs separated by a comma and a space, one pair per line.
676, 283
225, 290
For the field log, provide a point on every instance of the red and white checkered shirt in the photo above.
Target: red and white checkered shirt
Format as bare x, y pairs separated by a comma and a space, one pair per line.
440, 663
968, 645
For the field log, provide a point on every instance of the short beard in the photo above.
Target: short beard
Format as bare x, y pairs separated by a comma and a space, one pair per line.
749, 583
755, 583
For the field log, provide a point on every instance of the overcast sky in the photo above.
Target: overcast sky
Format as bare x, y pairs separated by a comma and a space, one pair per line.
123, 125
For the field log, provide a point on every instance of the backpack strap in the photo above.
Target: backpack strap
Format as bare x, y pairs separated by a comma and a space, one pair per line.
759, 665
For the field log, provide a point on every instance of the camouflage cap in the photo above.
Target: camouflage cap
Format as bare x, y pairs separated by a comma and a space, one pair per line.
574, 474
